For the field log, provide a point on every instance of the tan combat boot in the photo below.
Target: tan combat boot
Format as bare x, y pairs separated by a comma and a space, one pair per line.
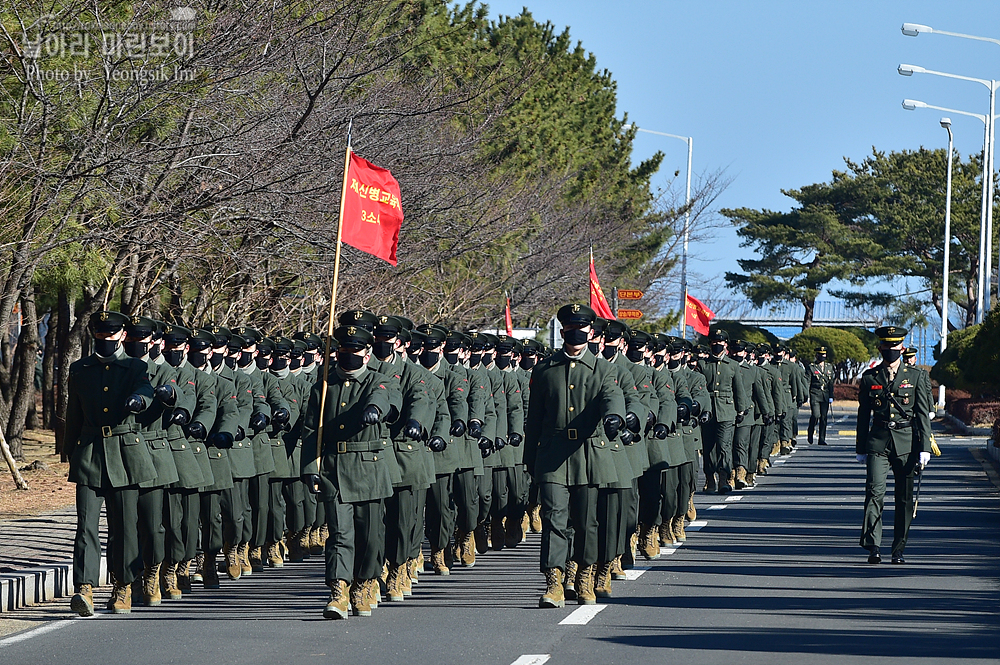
394, 584
666, 534
199, 563
439, 564
316, 543
406, 578
231, 555
525, 526
168, 581
648, 543
83, 600
536, 519
324, 534
776, 448
210, 578
785, 447
692, 512
274, 559
679, 534
151, 596
553, 596
751, 479
121, 599
617, 572
482, 539
257, 559
337, 608
243, 555
296, 550
360, 600
585, 585
184, 575
569, 580
602, 581
467, 549
373, 592
741, 478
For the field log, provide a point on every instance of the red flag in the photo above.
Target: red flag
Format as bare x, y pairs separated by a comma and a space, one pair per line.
698, 316
371, 208
507, 318
597, 301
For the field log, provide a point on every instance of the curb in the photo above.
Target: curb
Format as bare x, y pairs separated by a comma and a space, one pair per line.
40, 584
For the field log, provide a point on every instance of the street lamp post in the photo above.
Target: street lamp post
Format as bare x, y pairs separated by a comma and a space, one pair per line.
946, 123
986, 214
687, 218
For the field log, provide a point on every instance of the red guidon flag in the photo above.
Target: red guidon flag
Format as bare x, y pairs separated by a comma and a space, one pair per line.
372, 211
507, 319
698, 316
598, 303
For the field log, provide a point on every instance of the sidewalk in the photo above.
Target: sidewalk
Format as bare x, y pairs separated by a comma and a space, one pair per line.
36, 558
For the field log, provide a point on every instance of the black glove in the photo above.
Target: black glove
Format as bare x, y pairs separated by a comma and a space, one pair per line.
781, 416
705, 417
221, 440
312, 482
240, 433
258, 422
457, 428
179, 417
475, 429
660, 431
650, 420
632, 423
437, 444
165, 394
695, 408
613, 425
485, 447
739, 418
413, 430
281, 417
515, 439
683, 412
371, 415
628, 438
500, 443
134, 404
195, 431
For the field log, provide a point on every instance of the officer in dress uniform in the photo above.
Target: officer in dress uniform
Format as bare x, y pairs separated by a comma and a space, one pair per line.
821, 379
894, 432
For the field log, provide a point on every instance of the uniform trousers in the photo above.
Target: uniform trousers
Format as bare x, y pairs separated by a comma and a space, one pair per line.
650, 496
903, 470
441, 513
124, 562
180, 513
465, 490
741, 446
355, 548
502, 493
753, 454
485, 489
152, 534
401, 526
610, 522
569, 524
233, 504
819, 410
216, 513
276, 510
670, 488
259, 500
717, 447
293, 491
686, 481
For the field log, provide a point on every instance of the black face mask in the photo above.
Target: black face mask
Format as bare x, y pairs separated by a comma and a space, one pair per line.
136, 349
263, 362
673, 363
294, 363
246, 357
503, 362
451, 357
382, 350
429, 358
173, 357
594, 347
106, 347
487, 359
350, 362
890, 355
279, 363
308, 358
230, 362
154, 351
475, 359
657, 361
216, 359
575, 337
609, 352
528, 362
197, 358
717, 349
634, 354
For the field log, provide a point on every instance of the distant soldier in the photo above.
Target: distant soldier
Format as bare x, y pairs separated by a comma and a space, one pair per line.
894, 432
821, 380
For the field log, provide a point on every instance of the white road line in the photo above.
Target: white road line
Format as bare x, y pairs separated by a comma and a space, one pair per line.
780, 461
696, 525
41, 630
635, 573
718, 506
734, 497
582, 616
532, 659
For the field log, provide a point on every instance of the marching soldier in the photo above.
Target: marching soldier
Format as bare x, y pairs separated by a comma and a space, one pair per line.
729, 400
821, 379
894, 432
575, 417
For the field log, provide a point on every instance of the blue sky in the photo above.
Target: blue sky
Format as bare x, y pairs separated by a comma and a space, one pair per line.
778, 92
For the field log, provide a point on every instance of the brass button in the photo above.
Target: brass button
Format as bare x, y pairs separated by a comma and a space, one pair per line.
105, 409
347, 383
572, 364
341, 427
343, 403
182, 446
197, 449
409, 447
374, 458
571, 386
137, 439
570, 408
107, 367
105, 389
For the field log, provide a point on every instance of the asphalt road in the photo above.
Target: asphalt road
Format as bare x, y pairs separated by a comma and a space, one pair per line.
771, 575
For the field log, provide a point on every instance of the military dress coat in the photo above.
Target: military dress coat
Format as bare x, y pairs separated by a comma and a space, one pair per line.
893, 415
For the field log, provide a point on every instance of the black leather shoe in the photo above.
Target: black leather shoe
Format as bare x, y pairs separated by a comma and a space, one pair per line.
822, 443
874, 556
898, 560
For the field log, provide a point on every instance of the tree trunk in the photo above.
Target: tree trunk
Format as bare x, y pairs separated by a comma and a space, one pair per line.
48, 372
810, 305
68, 348
24, 374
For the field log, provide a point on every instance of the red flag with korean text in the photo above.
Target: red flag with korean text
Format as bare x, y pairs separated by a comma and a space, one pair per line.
598, 303
698, 315
507, 319
372, 210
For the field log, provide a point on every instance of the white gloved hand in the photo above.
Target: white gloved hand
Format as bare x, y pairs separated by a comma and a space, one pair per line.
924, 459
862, 458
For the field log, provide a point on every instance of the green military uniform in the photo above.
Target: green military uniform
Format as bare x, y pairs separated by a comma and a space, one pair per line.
742, 447
787, 426
510, 432
108, 460
701, 400
729, 399
763, 397
893, 433
821, 380
800, 392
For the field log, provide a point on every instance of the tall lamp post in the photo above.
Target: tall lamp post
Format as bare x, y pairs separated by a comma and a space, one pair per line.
687, 219
946, 123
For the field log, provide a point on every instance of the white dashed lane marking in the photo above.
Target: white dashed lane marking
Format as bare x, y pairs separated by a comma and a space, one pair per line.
532, 659
718, 506
696, 525
582, 616
734, 497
